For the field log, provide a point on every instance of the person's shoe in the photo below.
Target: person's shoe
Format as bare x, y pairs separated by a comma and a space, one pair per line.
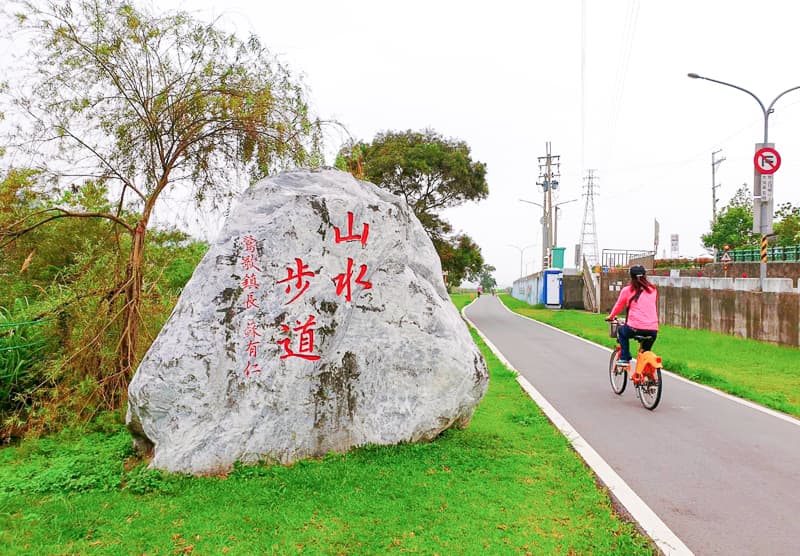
623, 363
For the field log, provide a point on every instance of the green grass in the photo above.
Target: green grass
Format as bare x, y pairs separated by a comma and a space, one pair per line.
765, 373
507, 484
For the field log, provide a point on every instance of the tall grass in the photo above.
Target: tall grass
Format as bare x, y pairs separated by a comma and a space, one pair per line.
24, 343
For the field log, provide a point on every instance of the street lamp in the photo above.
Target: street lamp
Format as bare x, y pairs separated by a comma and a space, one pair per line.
545, 229
521, 251
555, 224
764, 214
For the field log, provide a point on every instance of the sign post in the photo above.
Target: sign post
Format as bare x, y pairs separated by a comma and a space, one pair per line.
766, 162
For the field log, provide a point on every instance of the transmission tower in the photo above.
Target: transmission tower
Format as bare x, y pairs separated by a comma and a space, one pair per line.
588, 245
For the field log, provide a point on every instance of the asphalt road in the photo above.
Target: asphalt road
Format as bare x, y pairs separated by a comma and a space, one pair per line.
723, 476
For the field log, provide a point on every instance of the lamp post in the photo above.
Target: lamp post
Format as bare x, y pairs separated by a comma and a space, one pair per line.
555, 224
521, 251
762, 207
545, 228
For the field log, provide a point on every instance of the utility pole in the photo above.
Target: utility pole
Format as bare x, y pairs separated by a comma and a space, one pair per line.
714, 163
548, 179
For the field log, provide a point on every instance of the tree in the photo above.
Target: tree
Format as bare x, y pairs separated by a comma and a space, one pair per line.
461, 258
734, 225
787, 226
141, 104
486, 279
431, 173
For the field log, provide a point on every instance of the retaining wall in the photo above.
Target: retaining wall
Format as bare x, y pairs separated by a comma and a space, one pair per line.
732, 306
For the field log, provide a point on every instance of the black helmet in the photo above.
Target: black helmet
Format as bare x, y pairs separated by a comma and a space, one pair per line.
637, 270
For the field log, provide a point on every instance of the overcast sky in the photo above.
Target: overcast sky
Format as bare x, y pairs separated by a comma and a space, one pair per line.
506, 78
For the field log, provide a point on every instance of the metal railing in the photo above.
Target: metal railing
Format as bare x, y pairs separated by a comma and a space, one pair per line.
777, 253
613, 258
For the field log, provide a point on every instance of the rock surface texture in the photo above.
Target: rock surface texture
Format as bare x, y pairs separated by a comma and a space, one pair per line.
318, 322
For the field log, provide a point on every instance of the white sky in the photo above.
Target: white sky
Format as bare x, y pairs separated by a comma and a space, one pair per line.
506, 78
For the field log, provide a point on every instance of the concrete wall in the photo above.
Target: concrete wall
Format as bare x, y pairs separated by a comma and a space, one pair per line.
774, 270
732, 306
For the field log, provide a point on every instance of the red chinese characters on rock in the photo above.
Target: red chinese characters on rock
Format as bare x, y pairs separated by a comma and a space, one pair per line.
250, 243
305, 344
344, 281
362, 237
297, 341
249, 263
250, 281
251, 367
251, 330
298, 276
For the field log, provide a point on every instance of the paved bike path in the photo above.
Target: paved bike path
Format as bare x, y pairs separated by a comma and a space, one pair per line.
723, 476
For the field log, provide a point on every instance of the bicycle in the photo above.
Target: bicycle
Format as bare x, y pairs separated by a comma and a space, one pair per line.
646, 375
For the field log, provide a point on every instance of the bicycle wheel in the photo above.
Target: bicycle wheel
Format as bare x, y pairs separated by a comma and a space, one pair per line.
650, 391
617, 375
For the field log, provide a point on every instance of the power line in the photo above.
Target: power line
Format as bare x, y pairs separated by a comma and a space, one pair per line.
622, 69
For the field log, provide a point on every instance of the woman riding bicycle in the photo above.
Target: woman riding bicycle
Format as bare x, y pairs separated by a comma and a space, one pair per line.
641, 299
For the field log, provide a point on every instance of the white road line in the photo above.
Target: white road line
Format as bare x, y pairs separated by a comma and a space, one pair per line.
656, 529
741, 401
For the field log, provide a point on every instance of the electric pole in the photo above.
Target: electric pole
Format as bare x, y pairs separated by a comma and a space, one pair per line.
548, 179
714, 163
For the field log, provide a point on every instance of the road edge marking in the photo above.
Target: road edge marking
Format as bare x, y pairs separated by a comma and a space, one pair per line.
747, 403
653, 526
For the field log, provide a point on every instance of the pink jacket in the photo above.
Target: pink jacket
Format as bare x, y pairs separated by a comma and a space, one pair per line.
643, 313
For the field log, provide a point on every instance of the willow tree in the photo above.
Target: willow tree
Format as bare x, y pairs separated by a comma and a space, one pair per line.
144, 103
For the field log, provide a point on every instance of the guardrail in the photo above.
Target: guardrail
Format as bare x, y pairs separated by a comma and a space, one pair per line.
778, 253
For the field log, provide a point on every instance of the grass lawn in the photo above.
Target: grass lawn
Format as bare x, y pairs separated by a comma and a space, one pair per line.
765, 373
507, 484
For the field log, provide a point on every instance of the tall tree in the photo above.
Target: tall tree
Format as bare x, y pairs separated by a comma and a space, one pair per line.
734, 225
143, 103
431, 173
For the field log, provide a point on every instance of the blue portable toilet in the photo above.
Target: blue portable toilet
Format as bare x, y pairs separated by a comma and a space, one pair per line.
553, 290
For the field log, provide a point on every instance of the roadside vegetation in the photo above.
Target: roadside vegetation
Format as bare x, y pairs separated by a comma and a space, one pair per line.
758, 371
507, 484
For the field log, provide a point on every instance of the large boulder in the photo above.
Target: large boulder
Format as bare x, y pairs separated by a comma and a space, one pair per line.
317, 322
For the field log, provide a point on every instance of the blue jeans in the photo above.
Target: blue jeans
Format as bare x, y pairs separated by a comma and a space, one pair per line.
624, 335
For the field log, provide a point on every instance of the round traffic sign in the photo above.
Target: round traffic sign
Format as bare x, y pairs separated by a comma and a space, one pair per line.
767, 160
